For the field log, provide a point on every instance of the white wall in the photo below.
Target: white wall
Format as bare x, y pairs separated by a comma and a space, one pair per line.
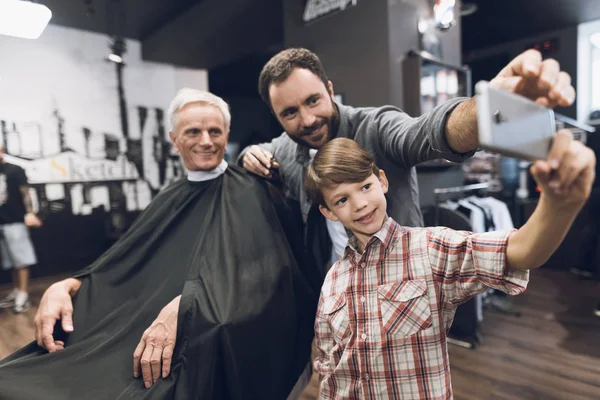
66, 68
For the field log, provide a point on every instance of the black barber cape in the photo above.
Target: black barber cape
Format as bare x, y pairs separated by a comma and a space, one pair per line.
232, 246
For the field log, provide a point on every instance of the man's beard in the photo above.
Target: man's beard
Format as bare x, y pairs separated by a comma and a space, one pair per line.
331, 123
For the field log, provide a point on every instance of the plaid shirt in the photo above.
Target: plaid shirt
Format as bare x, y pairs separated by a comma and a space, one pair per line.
384, 314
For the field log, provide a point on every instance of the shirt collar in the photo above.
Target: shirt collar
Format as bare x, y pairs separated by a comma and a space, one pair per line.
200, 176
302, 152
385, 236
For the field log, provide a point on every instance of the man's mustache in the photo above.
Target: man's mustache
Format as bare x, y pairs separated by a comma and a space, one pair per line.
308, 131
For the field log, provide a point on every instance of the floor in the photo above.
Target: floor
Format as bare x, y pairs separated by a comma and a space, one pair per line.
551, 352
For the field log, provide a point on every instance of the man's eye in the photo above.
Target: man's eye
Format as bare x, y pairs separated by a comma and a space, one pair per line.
341, 201
367, 186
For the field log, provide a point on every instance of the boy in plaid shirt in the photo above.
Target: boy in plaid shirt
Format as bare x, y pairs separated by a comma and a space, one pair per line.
387, 304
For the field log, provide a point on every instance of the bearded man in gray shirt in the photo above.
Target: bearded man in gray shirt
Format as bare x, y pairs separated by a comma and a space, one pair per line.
295, 87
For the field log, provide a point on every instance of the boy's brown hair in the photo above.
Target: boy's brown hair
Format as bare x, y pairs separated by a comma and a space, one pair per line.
340, 160
279, 68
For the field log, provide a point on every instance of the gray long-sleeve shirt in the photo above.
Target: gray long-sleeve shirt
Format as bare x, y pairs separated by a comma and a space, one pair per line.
397, 141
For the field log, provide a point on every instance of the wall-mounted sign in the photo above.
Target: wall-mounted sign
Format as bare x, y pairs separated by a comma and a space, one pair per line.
316, 9
70, 167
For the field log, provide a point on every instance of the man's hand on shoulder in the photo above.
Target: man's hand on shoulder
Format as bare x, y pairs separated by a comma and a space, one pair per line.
259, 161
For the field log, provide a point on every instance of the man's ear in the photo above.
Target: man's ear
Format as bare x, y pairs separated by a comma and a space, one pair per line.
327, 213
173, 137
330, 88
383, 181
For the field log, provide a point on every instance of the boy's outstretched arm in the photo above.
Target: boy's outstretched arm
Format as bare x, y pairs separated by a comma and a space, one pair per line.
565, 180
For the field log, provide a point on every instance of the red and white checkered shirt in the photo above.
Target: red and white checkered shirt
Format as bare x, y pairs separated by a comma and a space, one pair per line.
384, 314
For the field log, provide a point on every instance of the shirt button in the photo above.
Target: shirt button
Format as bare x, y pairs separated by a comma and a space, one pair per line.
362, 299
367, 377
364, 336
362, 264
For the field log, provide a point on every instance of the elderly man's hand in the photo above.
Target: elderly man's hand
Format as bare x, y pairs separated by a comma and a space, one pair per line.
539, 80
157, 345
55, 304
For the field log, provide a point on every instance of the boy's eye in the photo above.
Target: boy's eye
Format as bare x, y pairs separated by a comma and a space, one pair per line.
341, 201
367, 186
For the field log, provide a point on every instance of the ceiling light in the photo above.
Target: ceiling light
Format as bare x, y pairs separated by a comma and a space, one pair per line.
23, 19
118, 47
443, 12
595, 39
115, 58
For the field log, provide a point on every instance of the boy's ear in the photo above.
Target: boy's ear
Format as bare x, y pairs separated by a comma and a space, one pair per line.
327, 213
383, 181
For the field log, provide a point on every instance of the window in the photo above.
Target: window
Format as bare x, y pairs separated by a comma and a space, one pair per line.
595, 71
588, 69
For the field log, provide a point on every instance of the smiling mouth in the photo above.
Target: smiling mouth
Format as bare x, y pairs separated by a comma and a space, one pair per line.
367, 218
314, 133
205, 154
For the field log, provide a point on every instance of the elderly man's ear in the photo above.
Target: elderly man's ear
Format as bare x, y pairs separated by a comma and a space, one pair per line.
173, 137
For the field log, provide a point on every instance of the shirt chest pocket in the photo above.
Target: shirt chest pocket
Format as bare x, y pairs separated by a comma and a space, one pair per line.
335, 310
404, 307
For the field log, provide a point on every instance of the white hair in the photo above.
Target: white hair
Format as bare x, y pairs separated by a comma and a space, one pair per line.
186, 96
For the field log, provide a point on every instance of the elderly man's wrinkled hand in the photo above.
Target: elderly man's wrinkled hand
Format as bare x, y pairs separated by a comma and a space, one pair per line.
56, 304
539, 80
154, 352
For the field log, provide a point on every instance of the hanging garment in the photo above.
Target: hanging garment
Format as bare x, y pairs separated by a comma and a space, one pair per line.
487, 213
476, 216
500, 212
232, 247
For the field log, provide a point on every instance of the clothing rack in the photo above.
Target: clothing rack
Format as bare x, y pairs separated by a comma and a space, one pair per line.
461, 189
438, 193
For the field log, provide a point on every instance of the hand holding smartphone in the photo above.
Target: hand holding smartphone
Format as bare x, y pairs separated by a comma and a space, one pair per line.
512, 125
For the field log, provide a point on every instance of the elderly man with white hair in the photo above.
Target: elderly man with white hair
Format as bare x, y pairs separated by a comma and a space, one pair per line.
210, 290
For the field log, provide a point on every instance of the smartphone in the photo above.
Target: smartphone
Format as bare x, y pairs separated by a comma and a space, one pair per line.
512, 125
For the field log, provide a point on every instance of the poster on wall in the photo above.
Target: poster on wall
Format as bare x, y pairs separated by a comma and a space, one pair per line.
42, 148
